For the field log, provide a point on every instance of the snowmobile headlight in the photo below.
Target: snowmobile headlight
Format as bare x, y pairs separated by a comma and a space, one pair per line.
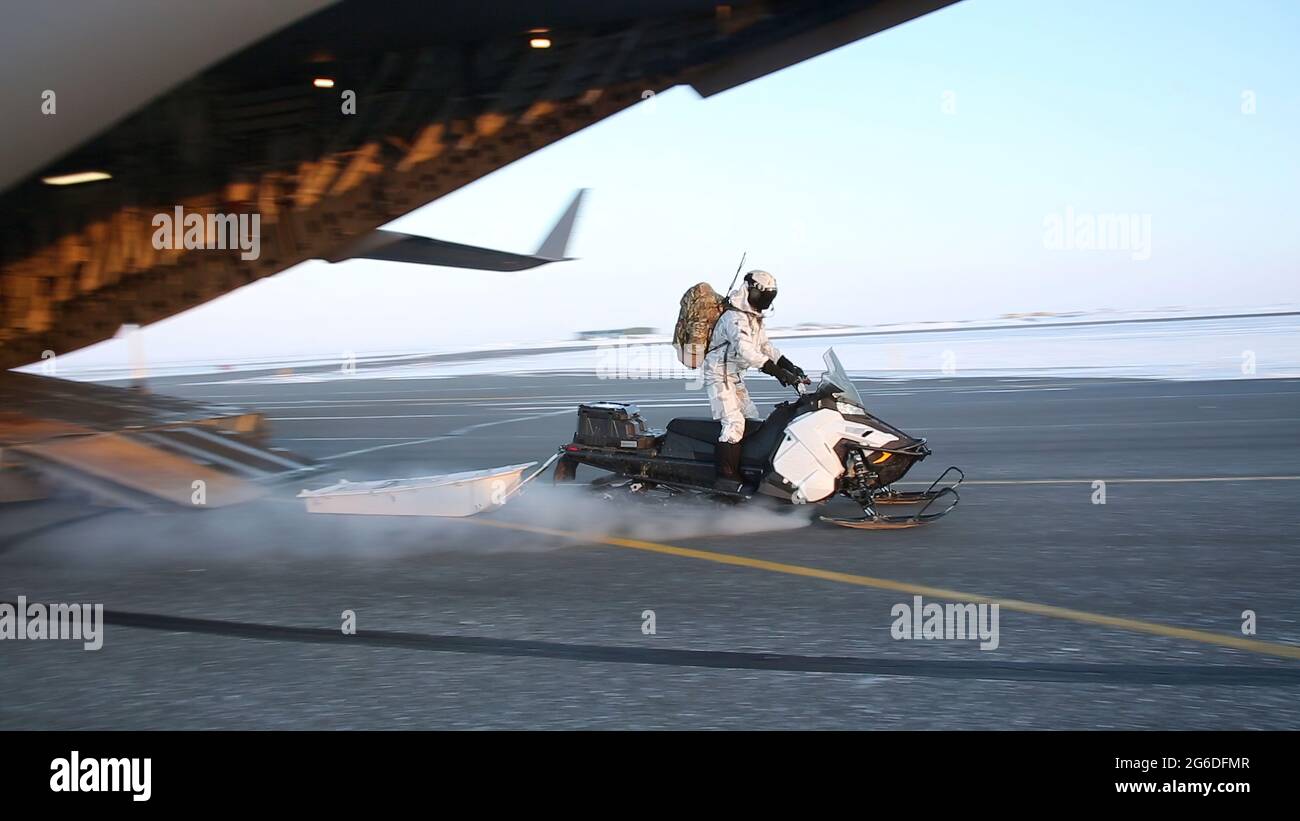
849, 409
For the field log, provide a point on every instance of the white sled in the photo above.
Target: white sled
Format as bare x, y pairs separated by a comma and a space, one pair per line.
451, 494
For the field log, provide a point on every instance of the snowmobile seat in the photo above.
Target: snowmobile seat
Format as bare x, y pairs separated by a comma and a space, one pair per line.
707, 430
761, 435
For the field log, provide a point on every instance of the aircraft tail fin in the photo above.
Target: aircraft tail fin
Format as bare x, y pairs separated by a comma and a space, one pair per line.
556, 244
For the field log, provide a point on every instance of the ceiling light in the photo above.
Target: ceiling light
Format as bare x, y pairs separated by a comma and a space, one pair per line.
79, 177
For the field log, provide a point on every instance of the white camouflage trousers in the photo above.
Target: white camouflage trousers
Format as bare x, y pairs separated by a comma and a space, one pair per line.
729, 402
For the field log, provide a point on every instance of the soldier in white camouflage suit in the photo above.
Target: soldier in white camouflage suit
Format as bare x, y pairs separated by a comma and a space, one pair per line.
739, 342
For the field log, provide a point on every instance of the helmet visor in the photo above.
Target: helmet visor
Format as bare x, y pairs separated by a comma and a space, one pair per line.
761, 299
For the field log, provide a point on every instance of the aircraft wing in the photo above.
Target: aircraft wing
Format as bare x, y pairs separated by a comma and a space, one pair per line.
395, 246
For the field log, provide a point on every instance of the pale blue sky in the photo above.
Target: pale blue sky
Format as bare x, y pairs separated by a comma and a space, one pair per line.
846, 177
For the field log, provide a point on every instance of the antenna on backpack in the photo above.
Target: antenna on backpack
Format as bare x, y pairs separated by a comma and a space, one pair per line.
737, 274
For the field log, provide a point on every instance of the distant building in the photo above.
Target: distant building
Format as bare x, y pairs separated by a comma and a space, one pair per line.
820, 326
614, 333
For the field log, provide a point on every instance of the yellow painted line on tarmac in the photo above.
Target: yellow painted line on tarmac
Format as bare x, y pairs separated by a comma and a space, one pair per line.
1290, 651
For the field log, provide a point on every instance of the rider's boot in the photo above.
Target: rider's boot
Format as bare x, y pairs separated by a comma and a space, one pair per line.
727, 461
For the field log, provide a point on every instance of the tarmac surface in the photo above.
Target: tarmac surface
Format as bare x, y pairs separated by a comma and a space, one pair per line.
1127, 614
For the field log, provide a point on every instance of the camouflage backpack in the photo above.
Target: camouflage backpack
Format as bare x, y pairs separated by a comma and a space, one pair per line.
701, 307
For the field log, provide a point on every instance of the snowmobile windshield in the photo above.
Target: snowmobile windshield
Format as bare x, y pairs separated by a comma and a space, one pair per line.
836, 375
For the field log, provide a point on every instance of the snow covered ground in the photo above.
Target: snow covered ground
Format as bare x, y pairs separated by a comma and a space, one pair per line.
1239, 347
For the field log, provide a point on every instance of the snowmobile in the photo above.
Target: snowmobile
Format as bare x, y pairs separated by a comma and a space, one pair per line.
806, 451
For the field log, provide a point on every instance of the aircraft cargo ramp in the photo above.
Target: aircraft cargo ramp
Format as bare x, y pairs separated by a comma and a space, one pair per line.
125, 447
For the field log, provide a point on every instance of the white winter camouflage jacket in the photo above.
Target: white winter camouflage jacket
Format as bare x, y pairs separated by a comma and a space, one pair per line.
739, 341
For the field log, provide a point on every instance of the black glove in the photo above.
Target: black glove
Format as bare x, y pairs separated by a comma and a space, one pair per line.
782, 375
792, 368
